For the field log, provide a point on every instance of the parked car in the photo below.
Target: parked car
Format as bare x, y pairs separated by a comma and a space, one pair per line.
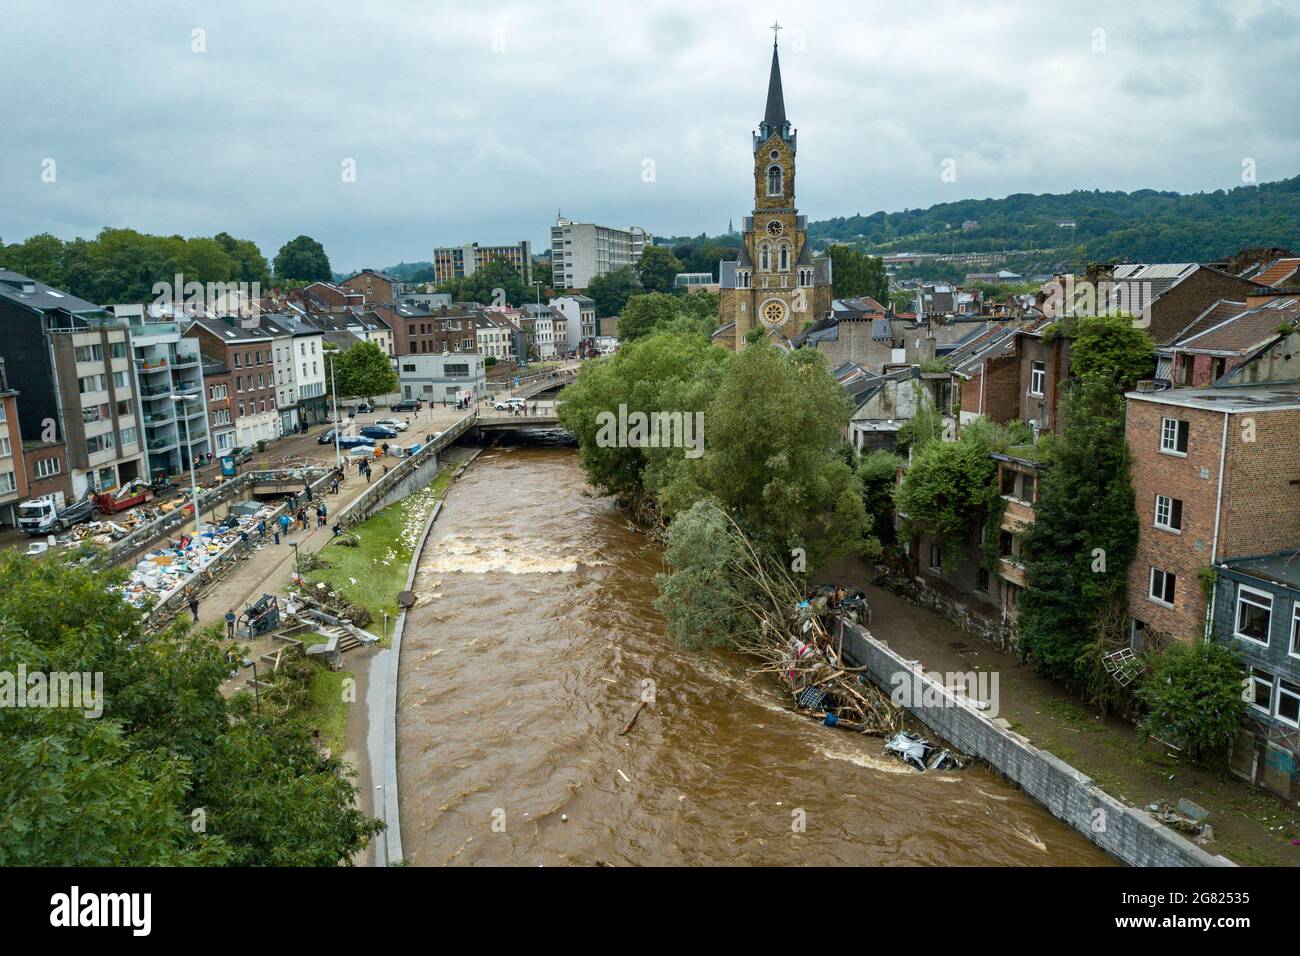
361, 408
396, 423
326, 437
505, 404
242, 454
377, 431
356, 441
407, 405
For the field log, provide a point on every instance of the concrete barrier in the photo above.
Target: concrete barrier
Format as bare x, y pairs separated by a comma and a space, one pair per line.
410, 474
1125, 832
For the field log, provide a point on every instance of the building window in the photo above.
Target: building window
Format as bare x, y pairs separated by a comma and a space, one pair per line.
765, 257
6, 447
1169, 513
1162, 586
982, 580
936, 557
775, 181
8, 482
128, 436
1173, 436
785, 257
89, 353
48, 467
1288, 702
1254, 614
1295, 628
1261, 688
91, 383
1037, 378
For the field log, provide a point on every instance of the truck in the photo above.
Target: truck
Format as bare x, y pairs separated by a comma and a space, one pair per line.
130, 495
47, 515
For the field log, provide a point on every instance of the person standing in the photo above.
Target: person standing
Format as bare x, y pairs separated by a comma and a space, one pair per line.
230, 625
194, 607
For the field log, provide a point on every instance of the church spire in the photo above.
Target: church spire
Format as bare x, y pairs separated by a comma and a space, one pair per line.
774, 115
774, 119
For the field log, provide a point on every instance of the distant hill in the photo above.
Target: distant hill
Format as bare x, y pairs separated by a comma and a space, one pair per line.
405, 270
1142, 225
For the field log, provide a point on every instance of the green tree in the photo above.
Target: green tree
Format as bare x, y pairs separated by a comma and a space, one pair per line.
856, 274
646, 313
702, 596
611, 291
771, 433
658, 269
304, 259
362, 370
1077, 550
119, 788
1194, 697
1112, 349
947, 486
878, 473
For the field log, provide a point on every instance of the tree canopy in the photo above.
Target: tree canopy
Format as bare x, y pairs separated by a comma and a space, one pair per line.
658, 269
611, 291
170, 772
363, 370
303, 258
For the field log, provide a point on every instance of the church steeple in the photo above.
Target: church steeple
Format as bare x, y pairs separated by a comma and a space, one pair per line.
774, 119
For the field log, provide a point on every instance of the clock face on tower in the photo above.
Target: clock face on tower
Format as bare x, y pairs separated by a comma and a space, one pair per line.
774, 227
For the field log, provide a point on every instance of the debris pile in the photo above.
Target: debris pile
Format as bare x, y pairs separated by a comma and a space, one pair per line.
165, 569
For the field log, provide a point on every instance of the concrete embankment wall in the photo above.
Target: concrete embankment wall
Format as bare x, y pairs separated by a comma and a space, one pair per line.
407, 476
1128, 834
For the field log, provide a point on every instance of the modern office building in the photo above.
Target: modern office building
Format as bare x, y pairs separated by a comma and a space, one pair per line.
71, 362
456, 262
580, 251
438, 378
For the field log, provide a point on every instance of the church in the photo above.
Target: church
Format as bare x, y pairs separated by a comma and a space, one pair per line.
777, 284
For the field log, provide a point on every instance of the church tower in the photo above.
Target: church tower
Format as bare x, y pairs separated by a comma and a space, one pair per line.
777, 283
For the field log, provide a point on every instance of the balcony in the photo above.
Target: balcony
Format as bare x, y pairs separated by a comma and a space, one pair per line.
1011, 569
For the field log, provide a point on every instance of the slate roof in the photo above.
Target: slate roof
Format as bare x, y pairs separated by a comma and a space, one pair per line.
1241, 331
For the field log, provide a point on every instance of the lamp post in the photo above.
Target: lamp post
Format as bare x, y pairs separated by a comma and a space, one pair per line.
334, 397
189, 453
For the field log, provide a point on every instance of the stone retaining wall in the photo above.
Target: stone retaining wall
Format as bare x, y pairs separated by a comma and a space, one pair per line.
1129, 834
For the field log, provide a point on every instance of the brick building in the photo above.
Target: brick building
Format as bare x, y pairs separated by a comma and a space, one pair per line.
420, 331
1217, 476
247, 350
376, 288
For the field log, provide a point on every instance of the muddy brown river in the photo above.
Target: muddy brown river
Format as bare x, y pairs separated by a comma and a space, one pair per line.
525, 657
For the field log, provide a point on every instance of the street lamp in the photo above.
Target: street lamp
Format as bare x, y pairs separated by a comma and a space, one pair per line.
334, 396
189, 453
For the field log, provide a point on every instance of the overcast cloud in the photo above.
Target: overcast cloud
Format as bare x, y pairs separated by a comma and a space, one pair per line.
479, 121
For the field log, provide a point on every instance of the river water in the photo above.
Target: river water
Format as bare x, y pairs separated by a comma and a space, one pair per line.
526, 655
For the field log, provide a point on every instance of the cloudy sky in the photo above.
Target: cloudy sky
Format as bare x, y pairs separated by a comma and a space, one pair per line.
478, 121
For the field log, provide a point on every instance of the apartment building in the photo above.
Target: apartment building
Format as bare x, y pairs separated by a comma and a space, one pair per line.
246, 349
219, 384
580, 251
456, 262
495, 336
71, 362
1255, 610
539, 322
420, 331
298, 345
169, 381
376, 288
1217, 476
13, 472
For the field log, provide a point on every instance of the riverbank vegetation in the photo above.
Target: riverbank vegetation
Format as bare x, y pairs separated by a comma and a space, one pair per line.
770, 465
166, 774
368, 565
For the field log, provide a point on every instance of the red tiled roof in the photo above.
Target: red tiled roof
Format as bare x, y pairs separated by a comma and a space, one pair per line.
1280, 273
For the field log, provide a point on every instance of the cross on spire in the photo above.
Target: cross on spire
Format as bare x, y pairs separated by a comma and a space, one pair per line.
775, 27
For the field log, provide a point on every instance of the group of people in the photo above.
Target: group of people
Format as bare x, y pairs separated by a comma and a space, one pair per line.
523, 409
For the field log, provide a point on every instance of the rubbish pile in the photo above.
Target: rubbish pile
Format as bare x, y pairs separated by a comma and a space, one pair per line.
915, 750
160, 572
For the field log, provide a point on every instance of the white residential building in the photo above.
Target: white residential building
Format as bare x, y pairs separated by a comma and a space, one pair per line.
543, 329
446, 377
580, 320
580, 251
